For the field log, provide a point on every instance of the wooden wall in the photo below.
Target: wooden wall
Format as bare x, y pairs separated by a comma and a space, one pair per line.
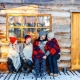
61, 23
42, 1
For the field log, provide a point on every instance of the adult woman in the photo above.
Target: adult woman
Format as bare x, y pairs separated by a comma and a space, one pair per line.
53, 47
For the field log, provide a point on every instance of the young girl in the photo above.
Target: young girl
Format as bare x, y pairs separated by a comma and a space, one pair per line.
13, 55
27, 54
53, 47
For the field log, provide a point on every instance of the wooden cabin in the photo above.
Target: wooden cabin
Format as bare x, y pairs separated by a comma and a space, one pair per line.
60, 16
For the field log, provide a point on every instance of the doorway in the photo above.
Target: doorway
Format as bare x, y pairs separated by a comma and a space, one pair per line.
75, 41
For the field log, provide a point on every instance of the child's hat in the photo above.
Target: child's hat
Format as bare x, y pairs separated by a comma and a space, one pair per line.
50, 35
41, 33
13, 39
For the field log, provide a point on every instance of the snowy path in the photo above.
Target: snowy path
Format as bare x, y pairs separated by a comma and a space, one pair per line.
70, 75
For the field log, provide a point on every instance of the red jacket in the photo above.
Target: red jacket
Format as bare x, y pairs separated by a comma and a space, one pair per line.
37, 52
52, 46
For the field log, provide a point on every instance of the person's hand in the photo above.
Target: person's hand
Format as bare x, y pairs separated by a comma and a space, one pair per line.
24, 58
44, 57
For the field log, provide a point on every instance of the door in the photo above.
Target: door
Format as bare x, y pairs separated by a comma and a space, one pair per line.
75, 41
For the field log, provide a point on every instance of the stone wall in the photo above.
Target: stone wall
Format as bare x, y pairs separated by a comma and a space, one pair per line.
61, 23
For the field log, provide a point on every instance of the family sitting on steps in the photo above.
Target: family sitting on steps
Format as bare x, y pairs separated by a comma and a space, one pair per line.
33, 57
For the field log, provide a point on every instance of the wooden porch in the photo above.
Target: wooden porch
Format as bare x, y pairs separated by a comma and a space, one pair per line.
70, 75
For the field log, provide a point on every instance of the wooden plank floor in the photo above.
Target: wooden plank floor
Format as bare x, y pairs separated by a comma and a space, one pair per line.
70, 75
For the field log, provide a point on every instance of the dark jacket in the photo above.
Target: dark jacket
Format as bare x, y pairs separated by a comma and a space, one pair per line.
37, 52
52, 46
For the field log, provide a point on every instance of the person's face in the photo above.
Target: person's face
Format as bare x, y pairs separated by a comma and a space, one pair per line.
43, 37
48, 38
28, 40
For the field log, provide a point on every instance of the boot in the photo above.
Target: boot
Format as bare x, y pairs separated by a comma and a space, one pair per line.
37, 75
43, 74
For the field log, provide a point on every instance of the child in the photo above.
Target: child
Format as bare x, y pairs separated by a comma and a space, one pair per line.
27, 54
13, 55
54, 49
39, 56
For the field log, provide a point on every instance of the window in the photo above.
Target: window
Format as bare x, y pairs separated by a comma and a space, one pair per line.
21, 24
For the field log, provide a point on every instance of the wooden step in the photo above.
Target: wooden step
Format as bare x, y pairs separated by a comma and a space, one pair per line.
64, 64
65, 57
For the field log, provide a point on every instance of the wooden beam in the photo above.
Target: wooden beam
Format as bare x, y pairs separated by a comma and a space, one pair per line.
41, 1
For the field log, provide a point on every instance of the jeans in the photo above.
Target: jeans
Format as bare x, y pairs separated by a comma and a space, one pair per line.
40, 66
10, 65
52, 63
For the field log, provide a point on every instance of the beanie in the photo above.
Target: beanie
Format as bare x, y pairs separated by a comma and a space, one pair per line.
41, 33
27, 36
50, 35
13, 39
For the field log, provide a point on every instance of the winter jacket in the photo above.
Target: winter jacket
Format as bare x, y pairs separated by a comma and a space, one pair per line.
14, 56
38, 49
52, 46
27, 51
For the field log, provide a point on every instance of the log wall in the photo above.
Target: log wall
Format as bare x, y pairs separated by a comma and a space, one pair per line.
61, 23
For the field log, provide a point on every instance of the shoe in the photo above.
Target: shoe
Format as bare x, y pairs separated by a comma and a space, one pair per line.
28, 71
33, 71
10, 72
51, 74
55, 75
37, 75
14, 72
42, 74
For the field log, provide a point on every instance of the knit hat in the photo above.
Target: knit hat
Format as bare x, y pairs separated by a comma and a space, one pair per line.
27, 36
50, 35
13, 39
41, 33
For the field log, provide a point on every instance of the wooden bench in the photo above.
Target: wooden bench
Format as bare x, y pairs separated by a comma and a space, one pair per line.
63, 62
